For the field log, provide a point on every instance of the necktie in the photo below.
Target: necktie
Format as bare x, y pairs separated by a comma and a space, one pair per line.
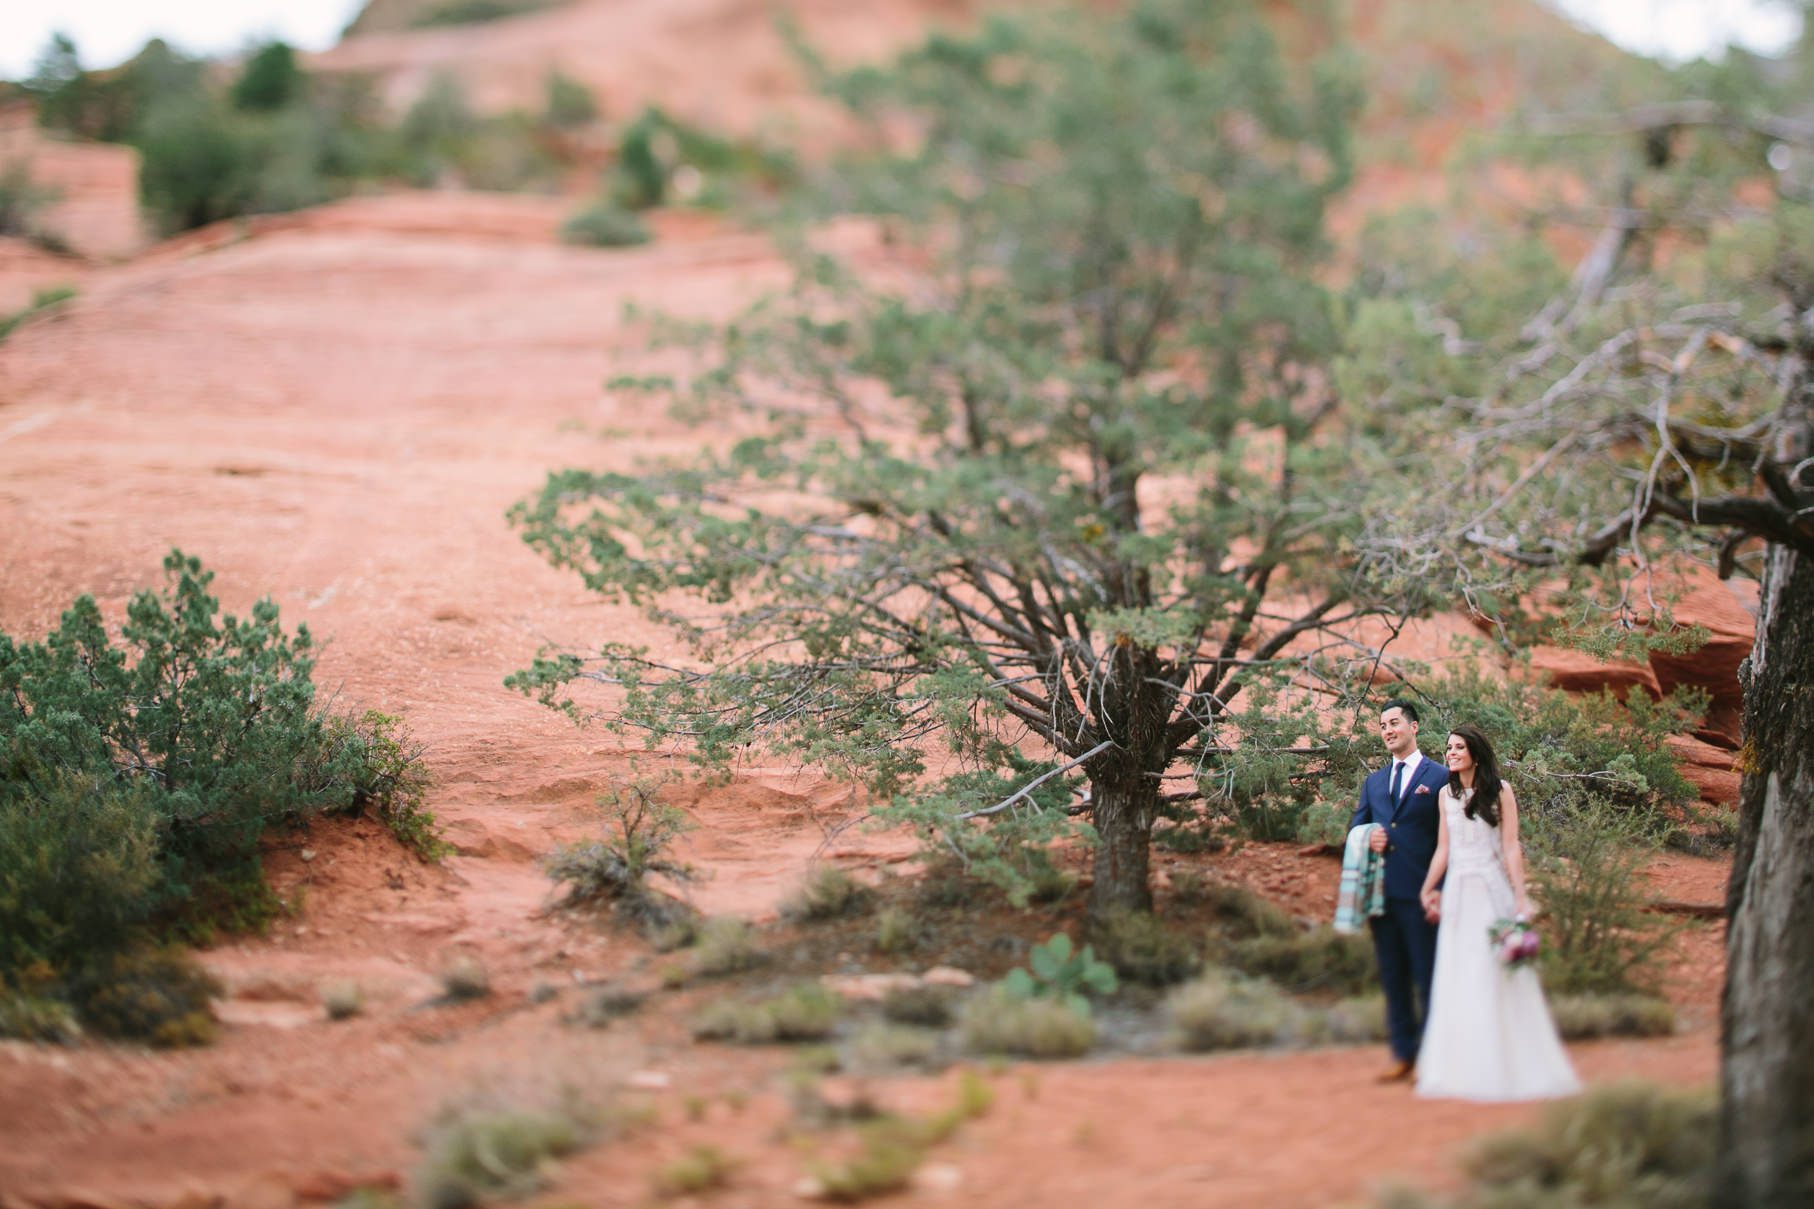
1398, 772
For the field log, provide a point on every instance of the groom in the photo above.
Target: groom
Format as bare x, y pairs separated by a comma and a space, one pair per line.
1401, 799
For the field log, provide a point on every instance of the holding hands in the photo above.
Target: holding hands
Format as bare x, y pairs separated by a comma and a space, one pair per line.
1431, 898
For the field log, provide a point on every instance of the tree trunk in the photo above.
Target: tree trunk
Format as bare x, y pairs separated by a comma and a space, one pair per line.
1766, 1027
1123, 802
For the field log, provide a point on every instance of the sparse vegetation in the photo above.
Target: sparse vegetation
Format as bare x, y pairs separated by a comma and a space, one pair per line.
891, 1148
828, 893
1624, 1146
159, 996
1142, 949
43, 299
804, 1012
615, 870
1219, 1011
724, 946
883, 1048
1244, 913
923, 1004
1057, 971
1353, 1021
475, 1155
997, 1021
702, 1168
1320, 959
1583, 1017
897, 931
566, 102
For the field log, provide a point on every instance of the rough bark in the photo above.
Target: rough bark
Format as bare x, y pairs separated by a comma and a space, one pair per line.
1123, 804
1767, 1027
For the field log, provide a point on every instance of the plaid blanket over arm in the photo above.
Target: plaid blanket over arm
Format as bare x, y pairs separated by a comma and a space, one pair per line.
1363, 890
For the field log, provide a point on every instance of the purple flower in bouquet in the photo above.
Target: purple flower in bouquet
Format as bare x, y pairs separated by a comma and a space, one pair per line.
1515, 942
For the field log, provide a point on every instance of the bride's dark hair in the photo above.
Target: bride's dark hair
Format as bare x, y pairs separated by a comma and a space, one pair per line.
1484, 803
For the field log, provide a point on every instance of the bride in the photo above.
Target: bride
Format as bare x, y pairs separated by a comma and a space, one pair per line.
1489, 1035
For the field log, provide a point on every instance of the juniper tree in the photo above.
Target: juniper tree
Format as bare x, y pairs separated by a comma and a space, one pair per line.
1659, 405
1043, 489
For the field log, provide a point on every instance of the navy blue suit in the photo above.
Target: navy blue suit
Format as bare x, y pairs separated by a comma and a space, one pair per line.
1403, 940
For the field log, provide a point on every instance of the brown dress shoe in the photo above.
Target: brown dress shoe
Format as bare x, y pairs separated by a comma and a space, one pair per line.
1401, 1072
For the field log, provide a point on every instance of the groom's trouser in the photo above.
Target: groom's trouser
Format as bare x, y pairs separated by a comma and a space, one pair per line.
1405, 943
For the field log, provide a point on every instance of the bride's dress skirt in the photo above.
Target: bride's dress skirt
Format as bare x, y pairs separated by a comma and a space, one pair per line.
1489, 1034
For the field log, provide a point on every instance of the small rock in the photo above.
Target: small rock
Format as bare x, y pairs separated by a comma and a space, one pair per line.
938, 1177
810, 1188
307, 854
648, 1080
948, 976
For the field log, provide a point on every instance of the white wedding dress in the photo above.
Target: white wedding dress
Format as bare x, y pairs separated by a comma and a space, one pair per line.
1489, 1035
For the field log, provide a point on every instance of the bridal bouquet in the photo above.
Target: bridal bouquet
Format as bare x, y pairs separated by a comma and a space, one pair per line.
1515, 942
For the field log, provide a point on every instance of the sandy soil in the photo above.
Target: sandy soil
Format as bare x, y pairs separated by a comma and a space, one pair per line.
337, 408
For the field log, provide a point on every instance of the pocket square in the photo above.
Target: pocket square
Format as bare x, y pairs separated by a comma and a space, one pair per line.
1423, 789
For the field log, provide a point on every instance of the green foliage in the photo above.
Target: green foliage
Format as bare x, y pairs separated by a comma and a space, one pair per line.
43, 299
1056, 971
725, 946
1142, 949
701, 1169
1219, 1012
26, 1017
604, 224
922, 1004
828, 893
1000, 1021
897, 930
480, 1154
372, 755
78, 865
805, 1012
567, 102
891, 1148
885, 1048
615, 870
22, 199
1244, 913
473, 12
208, 724
270, 80
159, 996
1317, 960
661, 159
1624, 1146
1584, 1017
1021, 501
1587, 858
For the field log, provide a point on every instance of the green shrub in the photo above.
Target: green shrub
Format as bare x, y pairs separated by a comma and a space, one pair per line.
609, 1004
1142, 949
476, 1155
22, 200
1587, 857
889, 1153
725, 946
567, 102
1628, 1144
806, 1012
998, 1021
37, 1018
1321, 959
159, 996
78, 861
616, 869
1583, 1017
43, 298
700, 1169
1221, 1012
604, 224
828, 893
1243, 913
883, 1047
1353, 1021
206, 724
925, 1005
1324, 823
271, 79
373, 757
897, 931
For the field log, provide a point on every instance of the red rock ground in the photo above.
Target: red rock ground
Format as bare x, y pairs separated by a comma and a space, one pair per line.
336, 408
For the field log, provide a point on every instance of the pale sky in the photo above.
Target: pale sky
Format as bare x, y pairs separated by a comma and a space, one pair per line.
109, 31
